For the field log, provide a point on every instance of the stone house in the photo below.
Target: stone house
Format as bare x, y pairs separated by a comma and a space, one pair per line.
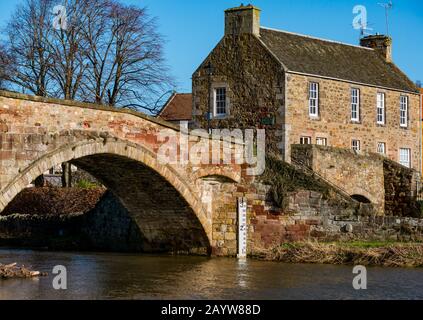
305, 90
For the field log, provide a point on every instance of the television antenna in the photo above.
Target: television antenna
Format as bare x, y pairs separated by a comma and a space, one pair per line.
388, 6
365, 30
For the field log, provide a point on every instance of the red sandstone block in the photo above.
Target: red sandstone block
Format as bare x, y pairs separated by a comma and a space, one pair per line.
241, 189
258, 209
5, 155
313, 222
4, 127
272, 217
304, 227
293, 228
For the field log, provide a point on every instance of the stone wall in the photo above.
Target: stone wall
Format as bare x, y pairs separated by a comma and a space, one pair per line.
390, 187
355, 174
400, 190
312, 218
255, 87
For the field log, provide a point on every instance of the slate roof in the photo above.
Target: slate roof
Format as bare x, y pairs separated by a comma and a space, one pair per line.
177, 108
331, 59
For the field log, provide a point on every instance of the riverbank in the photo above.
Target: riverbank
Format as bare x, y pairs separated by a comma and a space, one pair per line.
384, 254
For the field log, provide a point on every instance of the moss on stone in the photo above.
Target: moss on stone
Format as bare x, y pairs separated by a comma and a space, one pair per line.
284, 178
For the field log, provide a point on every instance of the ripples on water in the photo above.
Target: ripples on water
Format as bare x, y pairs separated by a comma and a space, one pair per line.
121, 276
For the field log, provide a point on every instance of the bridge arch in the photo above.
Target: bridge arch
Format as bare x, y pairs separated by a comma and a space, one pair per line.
164, 204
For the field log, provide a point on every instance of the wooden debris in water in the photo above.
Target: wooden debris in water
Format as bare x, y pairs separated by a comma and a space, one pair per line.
8, 271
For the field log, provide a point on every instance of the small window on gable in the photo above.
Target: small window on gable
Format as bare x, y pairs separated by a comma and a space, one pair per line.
404, 111
305, 140
313, 104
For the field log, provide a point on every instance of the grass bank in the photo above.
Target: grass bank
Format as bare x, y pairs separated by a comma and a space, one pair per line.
384, 254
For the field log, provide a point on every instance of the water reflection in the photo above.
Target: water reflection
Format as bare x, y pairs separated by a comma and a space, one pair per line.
122, 276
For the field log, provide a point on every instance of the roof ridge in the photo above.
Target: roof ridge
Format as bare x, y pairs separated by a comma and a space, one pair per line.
316, 38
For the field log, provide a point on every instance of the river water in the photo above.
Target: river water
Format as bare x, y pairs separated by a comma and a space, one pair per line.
125, 276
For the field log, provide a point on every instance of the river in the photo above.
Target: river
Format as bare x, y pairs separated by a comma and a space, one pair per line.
126, 276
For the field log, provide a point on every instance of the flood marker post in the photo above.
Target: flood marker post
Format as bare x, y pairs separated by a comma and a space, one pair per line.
242, 228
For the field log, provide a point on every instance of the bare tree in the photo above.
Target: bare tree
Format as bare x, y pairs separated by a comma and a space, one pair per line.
125, 56
6, 63
27, 34
66, 46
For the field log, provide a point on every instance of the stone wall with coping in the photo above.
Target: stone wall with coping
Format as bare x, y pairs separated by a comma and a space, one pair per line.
390, 187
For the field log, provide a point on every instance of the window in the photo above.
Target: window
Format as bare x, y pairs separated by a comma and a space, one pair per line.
355, 104
313, 105
381, 148
305, 140
220, 102
404, 111
355, 145
405, 157
381, 108
322, 141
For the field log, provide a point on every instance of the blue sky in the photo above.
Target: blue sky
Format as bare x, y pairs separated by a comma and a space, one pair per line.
193, 27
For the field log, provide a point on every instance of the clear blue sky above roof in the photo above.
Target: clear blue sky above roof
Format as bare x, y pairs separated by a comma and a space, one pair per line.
192, 27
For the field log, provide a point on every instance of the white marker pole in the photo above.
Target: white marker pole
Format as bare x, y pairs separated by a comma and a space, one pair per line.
242, 228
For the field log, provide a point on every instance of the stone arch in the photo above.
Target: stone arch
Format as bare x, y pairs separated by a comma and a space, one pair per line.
130, 160
360, 198
362, 193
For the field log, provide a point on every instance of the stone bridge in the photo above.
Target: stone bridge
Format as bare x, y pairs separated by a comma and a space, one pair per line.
177, 206
180, 205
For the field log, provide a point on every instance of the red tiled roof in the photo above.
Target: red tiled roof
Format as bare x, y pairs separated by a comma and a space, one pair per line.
178, 108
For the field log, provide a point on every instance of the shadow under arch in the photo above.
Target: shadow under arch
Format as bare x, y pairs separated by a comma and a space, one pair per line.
166, 209
360, 198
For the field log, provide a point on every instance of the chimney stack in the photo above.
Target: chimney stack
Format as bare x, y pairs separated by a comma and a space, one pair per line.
242, 20
380, 43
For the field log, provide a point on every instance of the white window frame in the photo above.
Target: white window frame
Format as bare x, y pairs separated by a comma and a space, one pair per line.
215, 102
405, 157
355, 104
313, 99
321, 141
380, 108
404, 111
356, 145
305, 140
381, 148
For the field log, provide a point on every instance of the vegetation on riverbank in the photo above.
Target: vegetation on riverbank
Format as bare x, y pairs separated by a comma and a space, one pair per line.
54, 201
354, 253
